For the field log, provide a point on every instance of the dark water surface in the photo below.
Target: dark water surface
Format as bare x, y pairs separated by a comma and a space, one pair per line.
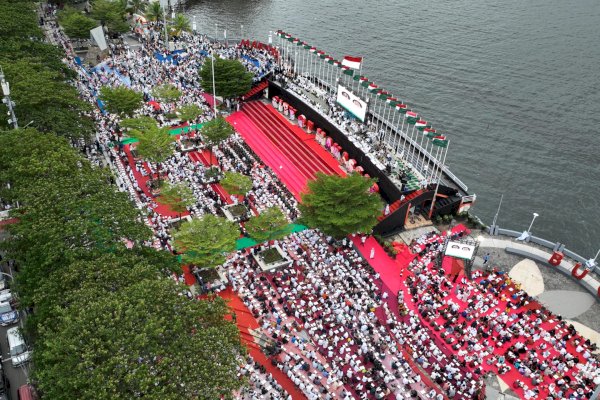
514, 84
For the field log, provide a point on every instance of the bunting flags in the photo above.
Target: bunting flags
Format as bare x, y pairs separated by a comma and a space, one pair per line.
440, 141
421, 124
352, 62
401, 107
347, 70
430, 132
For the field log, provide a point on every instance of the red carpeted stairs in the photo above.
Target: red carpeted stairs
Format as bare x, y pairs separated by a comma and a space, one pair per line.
298, 151
396, 205
261, 86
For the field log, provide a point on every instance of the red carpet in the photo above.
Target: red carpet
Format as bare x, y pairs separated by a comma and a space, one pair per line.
209, 99
388, 268
245, 321
283, 146
187, 275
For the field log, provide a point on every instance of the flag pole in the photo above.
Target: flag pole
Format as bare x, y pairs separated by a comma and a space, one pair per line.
437, 185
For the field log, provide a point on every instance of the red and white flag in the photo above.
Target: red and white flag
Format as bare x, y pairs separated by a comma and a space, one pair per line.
352, 62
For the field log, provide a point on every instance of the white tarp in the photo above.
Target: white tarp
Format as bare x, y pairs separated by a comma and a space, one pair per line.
352, 103
460, 250
97, 35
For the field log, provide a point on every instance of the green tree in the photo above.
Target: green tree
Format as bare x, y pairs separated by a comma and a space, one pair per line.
154, 11
121, 100
136, 6
42, 96
180, 24
112, 14
177, 196
205, 241
155, 144
189, 112
216, 131
235, 183
167, 93
18, 20
232, 79
75, 24
339, 205
137, 342
269, 225
96, 276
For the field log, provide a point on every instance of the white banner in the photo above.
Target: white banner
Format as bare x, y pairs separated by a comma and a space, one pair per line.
352, 103
97, 35
460, 250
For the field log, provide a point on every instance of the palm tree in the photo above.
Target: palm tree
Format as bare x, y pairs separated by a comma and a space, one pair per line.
136, 5
180, 23
154, 11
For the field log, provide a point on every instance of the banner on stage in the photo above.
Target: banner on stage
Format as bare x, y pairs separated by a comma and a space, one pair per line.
352, 103
460, 250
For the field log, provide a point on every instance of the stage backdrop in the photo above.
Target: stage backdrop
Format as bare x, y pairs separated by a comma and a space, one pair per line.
352, 103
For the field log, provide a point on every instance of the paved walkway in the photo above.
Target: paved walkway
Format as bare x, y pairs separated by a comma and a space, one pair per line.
565, 266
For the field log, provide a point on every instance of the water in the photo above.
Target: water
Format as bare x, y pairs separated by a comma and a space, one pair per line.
514, 84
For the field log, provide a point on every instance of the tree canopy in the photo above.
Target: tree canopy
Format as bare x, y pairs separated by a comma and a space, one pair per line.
236, 183
205, 241
111, 13
178, 196
270, 224
121, 100
167, 93
75, 24
189, 112
180, 24
339, 205
154, 11
144, 340
154, 143
232, 79
216, 130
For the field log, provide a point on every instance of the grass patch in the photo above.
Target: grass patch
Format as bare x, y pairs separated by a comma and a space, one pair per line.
271, 256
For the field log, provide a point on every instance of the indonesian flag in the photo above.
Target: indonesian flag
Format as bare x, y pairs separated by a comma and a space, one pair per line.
412, 114
329, 59
372, 87
347, 71
313, 49
421, 124
306, 45
321, 54
390, 99
288, 37
296, 42
337, 64
430, 132
352, 62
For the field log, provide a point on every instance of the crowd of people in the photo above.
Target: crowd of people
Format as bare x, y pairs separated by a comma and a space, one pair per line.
333, 327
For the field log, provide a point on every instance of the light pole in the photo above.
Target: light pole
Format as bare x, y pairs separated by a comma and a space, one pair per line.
213, 74
6, 100
194, 24
242, 32
535, 215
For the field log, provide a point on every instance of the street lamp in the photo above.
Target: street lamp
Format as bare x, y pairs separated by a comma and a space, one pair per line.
535, 215
194, 24
213, 74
